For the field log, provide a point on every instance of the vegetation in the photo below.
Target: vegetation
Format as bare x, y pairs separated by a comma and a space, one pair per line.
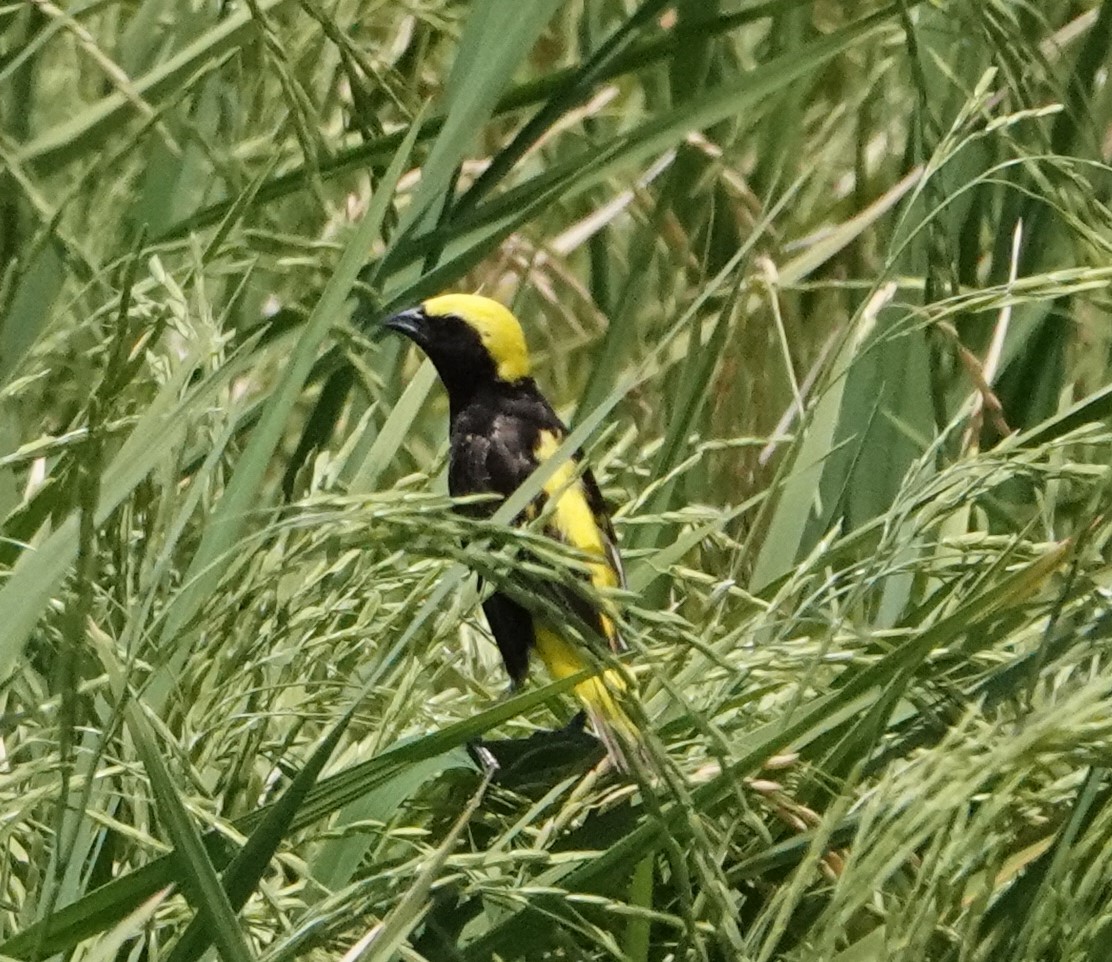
824, 289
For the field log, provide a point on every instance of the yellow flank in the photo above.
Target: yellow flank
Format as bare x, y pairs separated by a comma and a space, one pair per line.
497, 328
574, 520
562, 659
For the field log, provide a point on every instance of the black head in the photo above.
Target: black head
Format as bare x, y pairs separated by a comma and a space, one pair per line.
471, 340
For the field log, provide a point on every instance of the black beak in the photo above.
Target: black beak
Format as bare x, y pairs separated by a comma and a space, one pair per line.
411, 323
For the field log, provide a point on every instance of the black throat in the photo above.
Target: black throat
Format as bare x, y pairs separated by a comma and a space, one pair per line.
491, 395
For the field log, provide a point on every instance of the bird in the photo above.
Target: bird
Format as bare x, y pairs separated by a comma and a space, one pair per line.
501, 428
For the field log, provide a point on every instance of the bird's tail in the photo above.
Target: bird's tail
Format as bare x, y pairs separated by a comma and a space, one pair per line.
600, 695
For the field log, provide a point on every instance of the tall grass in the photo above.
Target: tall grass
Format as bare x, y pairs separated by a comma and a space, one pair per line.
823, 291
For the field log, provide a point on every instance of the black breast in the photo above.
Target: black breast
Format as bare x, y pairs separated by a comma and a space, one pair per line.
493, 439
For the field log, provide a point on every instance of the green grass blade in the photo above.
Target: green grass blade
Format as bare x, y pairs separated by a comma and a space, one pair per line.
496, 37
232, 514
194, 869
73, 139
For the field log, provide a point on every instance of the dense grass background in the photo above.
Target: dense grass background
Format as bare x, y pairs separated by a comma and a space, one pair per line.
823, 287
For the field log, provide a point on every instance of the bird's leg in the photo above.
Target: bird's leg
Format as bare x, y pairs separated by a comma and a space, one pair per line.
485, 757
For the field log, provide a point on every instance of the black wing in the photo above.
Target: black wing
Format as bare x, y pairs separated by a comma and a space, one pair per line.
496, 454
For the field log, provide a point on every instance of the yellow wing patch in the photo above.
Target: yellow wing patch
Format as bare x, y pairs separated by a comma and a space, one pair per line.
497, 328
575, 522
562, 660
600, 695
